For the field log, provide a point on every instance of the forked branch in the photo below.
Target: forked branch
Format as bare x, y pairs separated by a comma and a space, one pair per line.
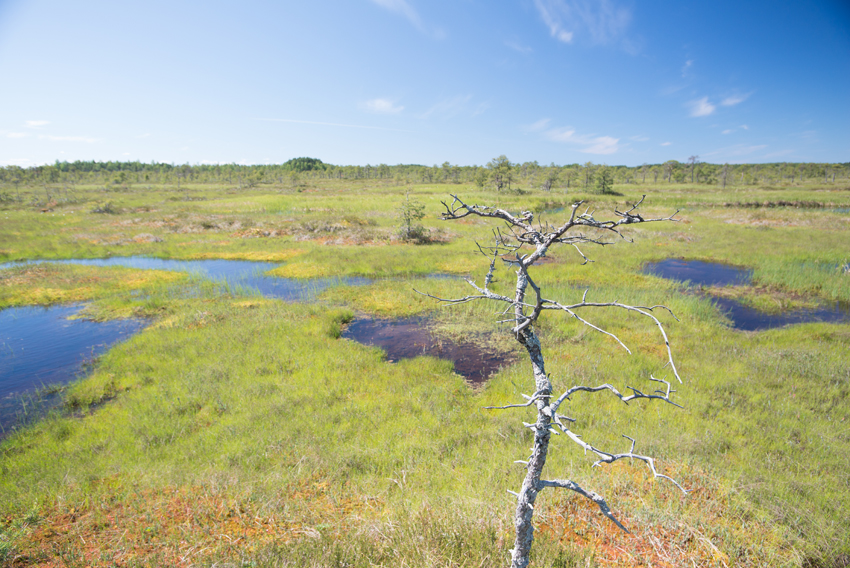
525, 309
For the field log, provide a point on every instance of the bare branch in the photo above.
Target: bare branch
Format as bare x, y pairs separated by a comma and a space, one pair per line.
595, 497
643, 310
626, 399
530, 400
605, 457
579, 229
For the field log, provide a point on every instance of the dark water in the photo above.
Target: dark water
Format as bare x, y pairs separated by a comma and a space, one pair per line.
409, 337
40, 347
742, 317
700, 273
243, 274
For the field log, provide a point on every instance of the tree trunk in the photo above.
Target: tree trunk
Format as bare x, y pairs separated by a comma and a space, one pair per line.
531, 484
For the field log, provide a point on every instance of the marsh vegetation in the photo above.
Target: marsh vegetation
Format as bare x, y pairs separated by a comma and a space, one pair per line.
240, 426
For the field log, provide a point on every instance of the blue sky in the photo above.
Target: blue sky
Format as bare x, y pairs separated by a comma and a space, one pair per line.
416, 81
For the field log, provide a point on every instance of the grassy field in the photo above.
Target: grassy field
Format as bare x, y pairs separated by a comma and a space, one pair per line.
238, 430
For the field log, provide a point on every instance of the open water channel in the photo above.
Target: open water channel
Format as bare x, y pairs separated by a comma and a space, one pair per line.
698, 273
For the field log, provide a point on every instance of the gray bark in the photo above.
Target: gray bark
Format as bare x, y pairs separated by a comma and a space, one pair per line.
525, 313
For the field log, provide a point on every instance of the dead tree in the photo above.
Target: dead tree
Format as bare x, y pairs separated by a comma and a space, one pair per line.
525, 242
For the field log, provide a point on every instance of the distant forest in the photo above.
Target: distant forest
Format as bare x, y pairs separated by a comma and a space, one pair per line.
499, 172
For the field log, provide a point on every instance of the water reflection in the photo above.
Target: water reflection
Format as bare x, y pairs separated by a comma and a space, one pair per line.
409, 337
699, 273
41, 346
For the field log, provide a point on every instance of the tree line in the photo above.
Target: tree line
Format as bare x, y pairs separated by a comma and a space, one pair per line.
500, 173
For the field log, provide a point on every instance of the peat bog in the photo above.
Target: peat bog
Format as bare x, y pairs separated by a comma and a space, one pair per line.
41, 346
742, 317
405, 338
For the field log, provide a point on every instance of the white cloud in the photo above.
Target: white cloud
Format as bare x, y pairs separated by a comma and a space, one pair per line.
67, 138
145, 135
36, 123
334, 124
561, 135
481, 108
589, 144
553, 24
686, 67
603, 145
406, 10
701, 107
539, 125
516, 46
17, 162
666, 143
382, 106
602, 20
639, 138
17, 135
779, 154
728, 131
450, 107
734, 99
744, 127
737, 150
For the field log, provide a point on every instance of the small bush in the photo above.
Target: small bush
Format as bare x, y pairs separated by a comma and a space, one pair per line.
106, 208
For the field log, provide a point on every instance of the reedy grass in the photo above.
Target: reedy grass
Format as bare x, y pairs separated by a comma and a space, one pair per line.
177, 406
46, 284
242, 400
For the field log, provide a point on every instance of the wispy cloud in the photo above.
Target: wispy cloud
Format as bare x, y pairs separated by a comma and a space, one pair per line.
17, 162
601, 20
36, 123
728, 131
538, 126
317, 123
666, 143
736, 150
85, 139
517, 46
735, 99
452, 106
403, 8
639, 138
17, 135
589, 144
686, 68
382, 106
779, 154
701, 107
552, 22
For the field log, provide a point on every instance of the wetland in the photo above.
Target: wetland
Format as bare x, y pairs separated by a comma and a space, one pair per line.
250, 374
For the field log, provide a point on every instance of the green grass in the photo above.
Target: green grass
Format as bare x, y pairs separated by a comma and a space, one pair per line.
244, 427
46, 284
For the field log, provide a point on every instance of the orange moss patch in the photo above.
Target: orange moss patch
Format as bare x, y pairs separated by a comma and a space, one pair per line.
182, 526
674, 531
